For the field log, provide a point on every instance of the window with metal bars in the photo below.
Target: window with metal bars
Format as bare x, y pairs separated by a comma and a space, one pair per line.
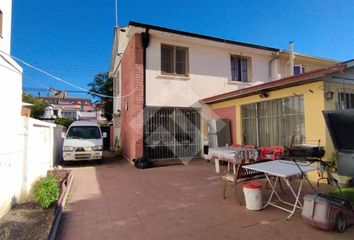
345, 100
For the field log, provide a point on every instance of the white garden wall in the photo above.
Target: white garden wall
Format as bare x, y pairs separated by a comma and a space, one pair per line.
35, 150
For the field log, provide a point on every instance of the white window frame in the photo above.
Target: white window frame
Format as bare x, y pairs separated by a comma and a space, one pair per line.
239, 77
174, 61
301, 67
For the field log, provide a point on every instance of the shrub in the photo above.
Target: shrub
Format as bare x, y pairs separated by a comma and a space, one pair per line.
46, 191
63, 121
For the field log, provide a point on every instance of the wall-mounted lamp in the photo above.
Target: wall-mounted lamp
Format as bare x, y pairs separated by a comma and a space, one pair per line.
328, 95
263, 95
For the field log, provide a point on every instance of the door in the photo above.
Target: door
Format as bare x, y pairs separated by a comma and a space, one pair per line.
172, 132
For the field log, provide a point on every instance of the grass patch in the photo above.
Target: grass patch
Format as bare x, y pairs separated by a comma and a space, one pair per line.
347, 194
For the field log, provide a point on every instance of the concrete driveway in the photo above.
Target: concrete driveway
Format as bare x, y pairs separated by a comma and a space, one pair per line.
117, 201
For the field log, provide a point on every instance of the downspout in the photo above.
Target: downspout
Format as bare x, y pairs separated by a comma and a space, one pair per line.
145, 40
291, 72
270, 65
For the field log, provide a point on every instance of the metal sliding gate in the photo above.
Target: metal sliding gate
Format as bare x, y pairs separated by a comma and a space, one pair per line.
172, 132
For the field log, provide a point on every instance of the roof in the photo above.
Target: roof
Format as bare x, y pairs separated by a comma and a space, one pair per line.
67, 100
296, 80
189, 34
84, 123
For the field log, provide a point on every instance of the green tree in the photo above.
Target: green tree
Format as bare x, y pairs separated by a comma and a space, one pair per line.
102, 84
37, 109
64, 122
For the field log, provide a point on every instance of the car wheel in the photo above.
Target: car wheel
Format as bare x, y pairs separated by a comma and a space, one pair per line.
340, 223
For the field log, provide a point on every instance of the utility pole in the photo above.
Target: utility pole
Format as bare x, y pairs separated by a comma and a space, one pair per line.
116, 11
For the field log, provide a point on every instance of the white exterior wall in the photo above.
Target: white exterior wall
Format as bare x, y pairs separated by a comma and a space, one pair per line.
119, 45
5, 39
34, 150
209, 72
284, 65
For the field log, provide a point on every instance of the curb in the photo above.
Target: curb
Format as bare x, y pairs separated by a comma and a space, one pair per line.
66, 186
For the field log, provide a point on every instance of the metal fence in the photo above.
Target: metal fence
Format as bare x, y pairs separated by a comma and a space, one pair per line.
172, 132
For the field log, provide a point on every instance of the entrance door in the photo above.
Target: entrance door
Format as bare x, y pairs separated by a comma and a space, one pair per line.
172, 132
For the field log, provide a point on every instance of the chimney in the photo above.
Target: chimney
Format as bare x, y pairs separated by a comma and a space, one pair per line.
291, 72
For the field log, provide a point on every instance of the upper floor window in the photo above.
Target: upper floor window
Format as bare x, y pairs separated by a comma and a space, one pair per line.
174, 60
298, 69
239, 69
1, 20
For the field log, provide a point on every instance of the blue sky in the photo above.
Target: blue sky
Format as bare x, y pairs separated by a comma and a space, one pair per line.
73, 39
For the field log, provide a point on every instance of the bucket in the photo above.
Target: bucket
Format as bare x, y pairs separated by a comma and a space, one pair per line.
253, 195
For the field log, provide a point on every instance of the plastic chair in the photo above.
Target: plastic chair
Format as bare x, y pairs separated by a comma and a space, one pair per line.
277, 152
263, 152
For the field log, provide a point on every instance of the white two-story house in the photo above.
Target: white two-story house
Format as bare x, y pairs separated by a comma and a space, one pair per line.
161, 74
11, 124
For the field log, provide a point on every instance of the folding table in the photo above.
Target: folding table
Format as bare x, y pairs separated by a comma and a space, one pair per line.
283, 169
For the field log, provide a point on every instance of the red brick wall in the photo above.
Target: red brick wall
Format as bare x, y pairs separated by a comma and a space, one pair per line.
230, 114
133, 94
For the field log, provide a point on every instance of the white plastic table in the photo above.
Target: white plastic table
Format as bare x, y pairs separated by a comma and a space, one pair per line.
231, 155
282, 169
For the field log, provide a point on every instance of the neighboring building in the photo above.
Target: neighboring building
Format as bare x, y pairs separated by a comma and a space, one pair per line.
68, 107
11, 120
26, 109
10, 71
161, 74
11, 77
270, 113
29, 147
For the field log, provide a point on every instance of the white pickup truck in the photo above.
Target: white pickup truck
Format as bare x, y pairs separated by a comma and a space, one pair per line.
83, 141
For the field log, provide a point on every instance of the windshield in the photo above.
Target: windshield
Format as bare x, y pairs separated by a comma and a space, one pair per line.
83, 132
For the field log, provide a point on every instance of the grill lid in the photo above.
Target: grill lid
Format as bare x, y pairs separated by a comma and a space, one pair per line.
340, 124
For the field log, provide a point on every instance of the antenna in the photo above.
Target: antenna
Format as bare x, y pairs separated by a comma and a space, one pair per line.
116, 10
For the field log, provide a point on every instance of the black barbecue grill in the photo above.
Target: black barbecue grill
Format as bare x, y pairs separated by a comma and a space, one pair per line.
304, 153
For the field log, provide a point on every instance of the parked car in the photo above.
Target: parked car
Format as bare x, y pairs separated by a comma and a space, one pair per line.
83, 141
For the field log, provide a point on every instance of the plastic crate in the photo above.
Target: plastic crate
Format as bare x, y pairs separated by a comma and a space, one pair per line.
327, 212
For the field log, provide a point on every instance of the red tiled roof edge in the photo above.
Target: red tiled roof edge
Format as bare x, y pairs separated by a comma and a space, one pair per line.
272, 85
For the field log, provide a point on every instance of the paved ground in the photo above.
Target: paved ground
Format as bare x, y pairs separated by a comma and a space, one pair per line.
117, 201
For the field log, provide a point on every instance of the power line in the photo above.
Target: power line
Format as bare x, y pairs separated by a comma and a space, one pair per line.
57, 78
33, 89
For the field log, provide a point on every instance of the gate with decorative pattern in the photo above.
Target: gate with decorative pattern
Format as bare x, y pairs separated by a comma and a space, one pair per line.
172, 132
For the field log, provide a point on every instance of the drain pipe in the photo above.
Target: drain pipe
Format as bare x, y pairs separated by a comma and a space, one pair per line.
145, 40
291, 72
270, 65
